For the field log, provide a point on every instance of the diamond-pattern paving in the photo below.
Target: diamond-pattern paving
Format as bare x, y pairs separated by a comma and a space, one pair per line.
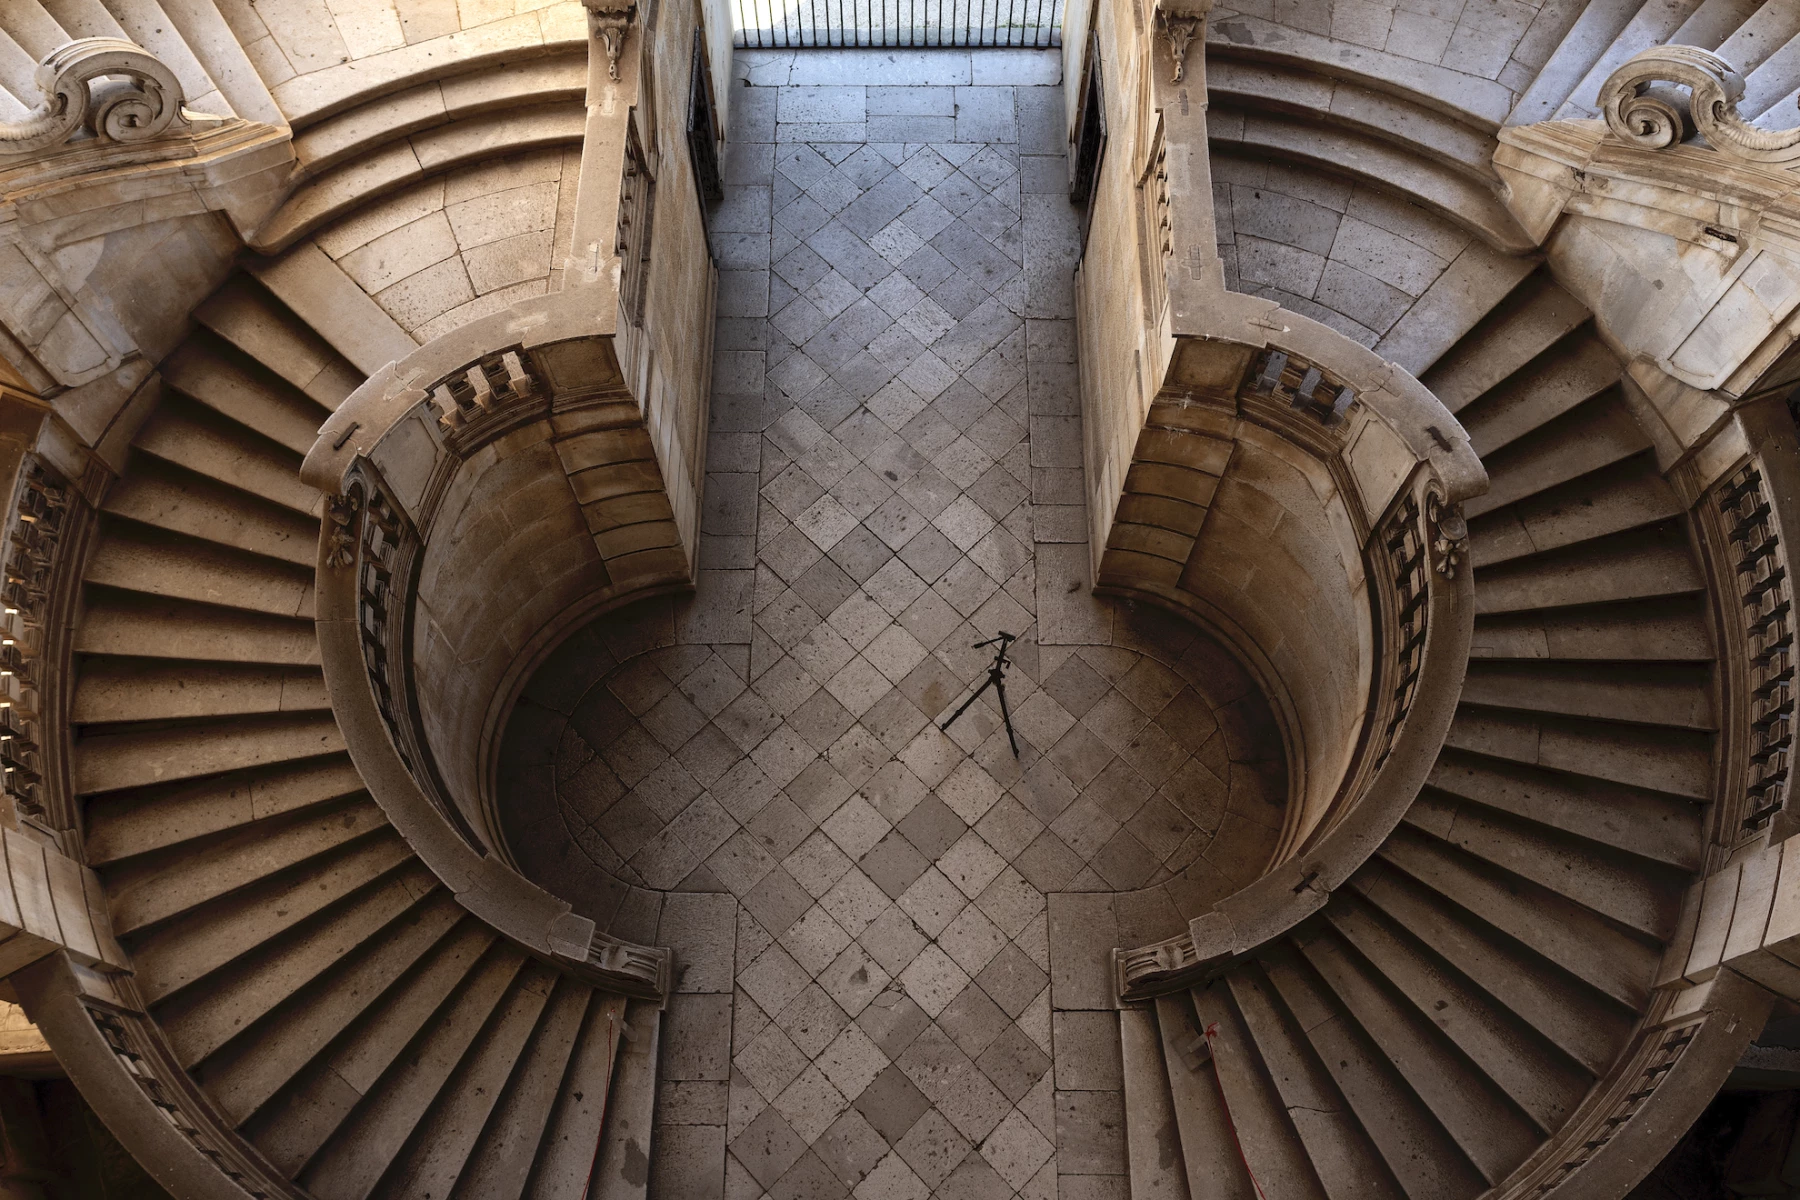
893, 476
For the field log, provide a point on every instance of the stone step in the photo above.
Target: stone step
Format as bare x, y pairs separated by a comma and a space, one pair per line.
1665, 629
630, 1110
1207, 1135
1579, 941
1532, 318
245, 315
1618, 887
567, 1151
113, 690
1626, 495
199, 440
1347, 1163
1585, 1024
1649, 562
178, 955
173, 498
1153, 1141
1652, 825
294, 1125
350, 988
155, 889
1274, 1152
1573, 370
1769, 89
302, 970
1594, 435
121, 827
217, 374
109, 760
137, 558
440, 1142
1672, 694
1653, 25
500, 1164
124, 623
1503, 1052
1641, 756
1488, 1130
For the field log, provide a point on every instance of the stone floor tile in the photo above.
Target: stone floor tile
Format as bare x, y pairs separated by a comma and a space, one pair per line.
768, 1147
972, 940
891, 1104
1012, 980
770, 1061
894, 790
892, 1179
853, 980
810, 1104
932, 1148
893, 940
1016, 1150
815, 940
852, 1060
932, 902
809, 1179
851, 1147
777, 901
893, 865
816, 864
854, 901
1014, 1063
856, 827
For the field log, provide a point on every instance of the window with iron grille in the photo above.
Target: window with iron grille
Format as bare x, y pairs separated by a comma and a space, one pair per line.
1090, 139
637, 219
703, 139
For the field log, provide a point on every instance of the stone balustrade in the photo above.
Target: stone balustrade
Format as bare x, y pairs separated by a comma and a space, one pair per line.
484, 502
1289, 490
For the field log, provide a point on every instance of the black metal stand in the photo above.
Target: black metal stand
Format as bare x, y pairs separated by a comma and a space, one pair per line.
997, 680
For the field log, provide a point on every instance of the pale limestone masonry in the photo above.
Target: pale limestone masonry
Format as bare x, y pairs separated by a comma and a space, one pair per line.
477, 613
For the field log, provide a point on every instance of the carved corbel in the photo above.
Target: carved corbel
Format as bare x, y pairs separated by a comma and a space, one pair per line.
1181, 21
138, 100
1644, 106
1449, 533
608, 22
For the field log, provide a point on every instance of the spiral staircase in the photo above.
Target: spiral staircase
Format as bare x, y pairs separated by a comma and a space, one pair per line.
1491, 1004
361, 1031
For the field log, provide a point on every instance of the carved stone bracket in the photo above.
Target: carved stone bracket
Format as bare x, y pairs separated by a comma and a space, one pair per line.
608, 22
145, 104
1181, 21
1450, 534
1644, 106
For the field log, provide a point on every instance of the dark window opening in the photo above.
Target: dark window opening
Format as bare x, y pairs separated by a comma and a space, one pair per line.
1090, 141
702, 133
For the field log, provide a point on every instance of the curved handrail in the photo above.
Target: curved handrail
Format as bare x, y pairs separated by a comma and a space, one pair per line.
1421, 595
383, 479
1427, 628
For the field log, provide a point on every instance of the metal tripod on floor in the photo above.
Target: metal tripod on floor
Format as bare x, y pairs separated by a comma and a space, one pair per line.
997, 680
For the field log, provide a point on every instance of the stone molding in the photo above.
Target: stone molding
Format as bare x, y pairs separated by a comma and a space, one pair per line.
1612, 216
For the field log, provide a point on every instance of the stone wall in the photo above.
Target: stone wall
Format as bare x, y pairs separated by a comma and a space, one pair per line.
463, 245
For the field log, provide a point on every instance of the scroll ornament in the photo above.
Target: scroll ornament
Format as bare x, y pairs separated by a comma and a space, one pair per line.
113, 89
1644, 106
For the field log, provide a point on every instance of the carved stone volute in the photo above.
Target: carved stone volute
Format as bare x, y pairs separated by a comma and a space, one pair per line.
1644, 105
139, 100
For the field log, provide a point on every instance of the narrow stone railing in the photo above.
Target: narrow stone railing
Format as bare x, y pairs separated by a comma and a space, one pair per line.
409, 463
1402, 508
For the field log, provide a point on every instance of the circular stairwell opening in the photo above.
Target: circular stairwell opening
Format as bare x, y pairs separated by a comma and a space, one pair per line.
807, 765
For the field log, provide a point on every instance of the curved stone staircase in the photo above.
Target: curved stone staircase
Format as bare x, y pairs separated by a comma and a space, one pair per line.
1447, 1014
1760, 38
327, 993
